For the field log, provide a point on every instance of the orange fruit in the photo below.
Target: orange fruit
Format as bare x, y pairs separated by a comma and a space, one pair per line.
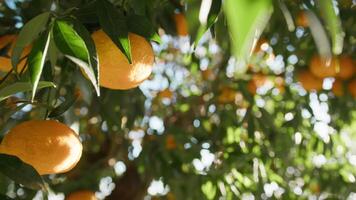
5, 61
82, 195
346, 67
279, 83
352, 88
258, 45
207, 74
115, 70
170, 142
258, 80
227, 95
181, 24
302, 19
338, 88
6, 39
309, 81
320, 68
49, 146
166, 93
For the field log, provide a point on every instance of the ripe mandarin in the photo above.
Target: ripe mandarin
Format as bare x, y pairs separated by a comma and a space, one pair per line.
49, 146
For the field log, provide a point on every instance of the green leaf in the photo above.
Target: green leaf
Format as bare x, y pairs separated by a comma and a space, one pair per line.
141, 25
62, 108
114, 25
21, 87
36, 61
211, 18
246, 20
68, 41
319, 35
27, 35
78, 48
333, 24
53, 52
20, 172
139, 6
4, 197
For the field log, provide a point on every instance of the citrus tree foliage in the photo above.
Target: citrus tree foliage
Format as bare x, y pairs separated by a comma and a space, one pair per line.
234, 108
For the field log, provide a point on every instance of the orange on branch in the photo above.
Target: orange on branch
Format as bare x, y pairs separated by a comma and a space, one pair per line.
279, 83
257, 81
323, 68
6, 40
170, 142
166, 93
302, 19
49, 146
208, 75
82, 195
309, 81
351, 87
259, 43
5, 61
115, 70
227, 95
181, 24
338, 88
346, 68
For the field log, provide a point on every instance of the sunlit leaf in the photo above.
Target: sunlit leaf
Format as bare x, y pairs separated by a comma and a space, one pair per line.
36, 61
21, 87
246, 20
27, 35
211, 18
78, 49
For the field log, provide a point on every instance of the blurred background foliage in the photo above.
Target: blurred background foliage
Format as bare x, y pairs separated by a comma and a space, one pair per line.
235, 107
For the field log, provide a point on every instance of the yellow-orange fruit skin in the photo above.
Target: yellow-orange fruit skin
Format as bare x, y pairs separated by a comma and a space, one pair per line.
351, 87
181, 24
82, 195
115, 70
170, 143
258, 80
6, 39
321, 68
227, 95
346, 68
258, 45
5, 61
309, 81
166, 93
49, 146
337, 88
302, 19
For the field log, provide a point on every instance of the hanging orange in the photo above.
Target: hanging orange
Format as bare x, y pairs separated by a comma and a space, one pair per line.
115, 70
309, 81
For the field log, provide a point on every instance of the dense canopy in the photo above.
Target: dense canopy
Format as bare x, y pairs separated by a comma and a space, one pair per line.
179, 99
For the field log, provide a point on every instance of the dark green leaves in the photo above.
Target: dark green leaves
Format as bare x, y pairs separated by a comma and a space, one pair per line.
4, 197
246, 20
113, 23
28, 34
141, 25
21, 87
20, 172
36, 61
62, 108
78, 48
